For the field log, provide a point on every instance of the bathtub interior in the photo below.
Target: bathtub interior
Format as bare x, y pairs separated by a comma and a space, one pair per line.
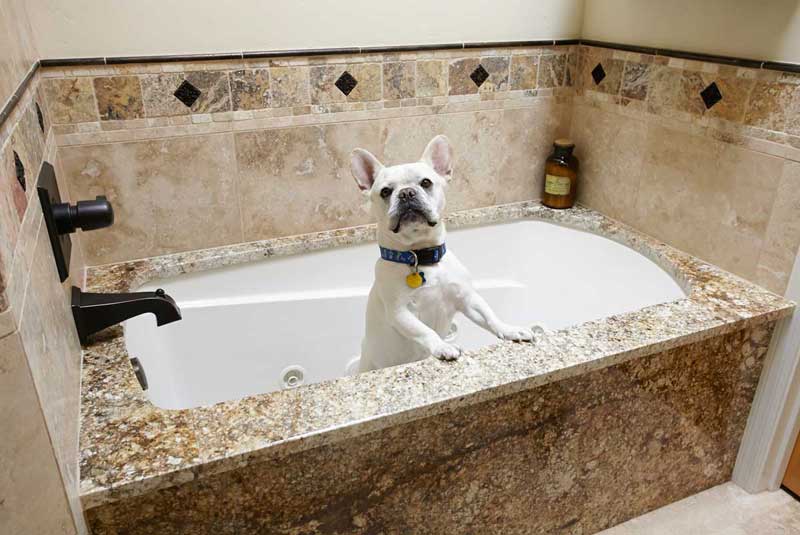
286, 321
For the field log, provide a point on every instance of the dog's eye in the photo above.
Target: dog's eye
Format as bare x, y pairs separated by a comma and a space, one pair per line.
385, 192
426, 183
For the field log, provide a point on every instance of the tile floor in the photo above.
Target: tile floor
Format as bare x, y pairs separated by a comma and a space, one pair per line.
722, 510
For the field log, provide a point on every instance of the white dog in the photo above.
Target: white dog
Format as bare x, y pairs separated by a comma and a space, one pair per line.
419, 286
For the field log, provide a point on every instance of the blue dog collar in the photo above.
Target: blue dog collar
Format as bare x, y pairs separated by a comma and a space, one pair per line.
422, 257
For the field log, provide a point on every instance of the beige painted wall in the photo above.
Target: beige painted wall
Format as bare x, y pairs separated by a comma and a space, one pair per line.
122, 27
17, 49
760, 29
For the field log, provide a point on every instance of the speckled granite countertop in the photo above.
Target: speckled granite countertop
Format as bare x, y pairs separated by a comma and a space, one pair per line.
129, 446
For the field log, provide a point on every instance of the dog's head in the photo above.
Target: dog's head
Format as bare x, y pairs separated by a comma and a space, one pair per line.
407, 200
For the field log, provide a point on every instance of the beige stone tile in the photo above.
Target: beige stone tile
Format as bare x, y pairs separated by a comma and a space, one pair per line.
31, 492
158, 95
611, 150
48, 335
399, 80
119, 97
635, 80
70, 100
672, 90
782, 237
169, 195
478, 146
287, 189
215, 92
322, 80
498, 69
27, 140
369, 87
524, 71
250, 89
431, 78
769, 104
528, 134
680, 190
459, 81
289, 86
23, 257
725, 509
749, 181
781, 520
735, 93
13, 202
552, 70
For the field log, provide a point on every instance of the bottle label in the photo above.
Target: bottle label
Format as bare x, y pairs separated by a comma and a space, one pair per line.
557, 185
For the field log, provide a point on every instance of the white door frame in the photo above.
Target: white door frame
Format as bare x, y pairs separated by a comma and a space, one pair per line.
774, 420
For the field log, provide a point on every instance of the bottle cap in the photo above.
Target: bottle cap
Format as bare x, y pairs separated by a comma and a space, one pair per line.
564, 143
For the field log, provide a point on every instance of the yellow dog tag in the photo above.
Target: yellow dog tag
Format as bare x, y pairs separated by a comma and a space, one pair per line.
415, 280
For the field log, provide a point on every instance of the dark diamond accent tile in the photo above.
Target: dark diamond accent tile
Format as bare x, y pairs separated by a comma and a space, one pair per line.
187, 93
479, 75
39, 116
346, 83
711, 95
598, 73
20, 170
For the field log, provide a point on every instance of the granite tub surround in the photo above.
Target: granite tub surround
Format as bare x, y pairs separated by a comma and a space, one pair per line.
655, 156
275, 182
136, 96
572, 456
134, 453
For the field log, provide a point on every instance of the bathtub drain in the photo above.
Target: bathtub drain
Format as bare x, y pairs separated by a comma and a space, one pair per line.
292, 377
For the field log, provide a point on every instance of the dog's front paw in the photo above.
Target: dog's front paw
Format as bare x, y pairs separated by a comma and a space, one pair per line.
515, 334
446, 352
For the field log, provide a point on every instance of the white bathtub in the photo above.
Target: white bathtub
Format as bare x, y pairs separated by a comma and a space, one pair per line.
255, 327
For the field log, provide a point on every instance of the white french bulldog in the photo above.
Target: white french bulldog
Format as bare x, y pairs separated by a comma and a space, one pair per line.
410, 309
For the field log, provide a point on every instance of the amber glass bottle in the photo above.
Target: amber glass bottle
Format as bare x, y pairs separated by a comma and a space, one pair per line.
560, 176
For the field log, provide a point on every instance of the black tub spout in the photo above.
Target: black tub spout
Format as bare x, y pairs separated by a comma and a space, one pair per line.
95, 311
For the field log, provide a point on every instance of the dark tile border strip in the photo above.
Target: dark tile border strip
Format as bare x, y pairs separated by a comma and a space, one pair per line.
72, 62
171, 58
266, 54
507, 44
8, 108
255, 54
620, 46
695, 56
301, 52
779, 66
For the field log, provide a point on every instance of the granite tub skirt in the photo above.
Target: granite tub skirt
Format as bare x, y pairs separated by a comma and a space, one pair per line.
576, 455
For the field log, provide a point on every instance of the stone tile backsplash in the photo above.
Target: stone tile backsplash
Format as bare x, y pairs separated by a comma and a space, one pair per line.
38, 345
131, 92
704, 179
653, 154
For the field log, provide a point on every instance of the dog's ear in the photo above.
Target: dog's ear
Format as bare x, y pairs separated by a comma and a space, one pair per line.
439, 155
365, 168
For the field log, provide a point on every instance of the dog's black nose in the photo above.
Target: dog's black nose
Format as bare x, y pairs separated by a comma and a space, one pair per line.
407, 194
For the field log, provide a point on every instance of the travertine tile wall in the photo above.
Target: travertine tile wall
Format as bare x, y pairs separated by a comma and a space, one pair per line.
39, 351
264, 150
271, 139
721, 183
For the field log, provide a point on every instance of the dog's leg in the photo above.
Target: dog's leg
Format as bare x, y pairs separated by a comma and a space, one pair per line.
475, 307
410, 326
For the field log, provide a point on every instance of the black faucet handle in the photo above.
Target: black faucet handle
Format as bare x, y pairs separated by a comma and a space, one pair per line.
85, 215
